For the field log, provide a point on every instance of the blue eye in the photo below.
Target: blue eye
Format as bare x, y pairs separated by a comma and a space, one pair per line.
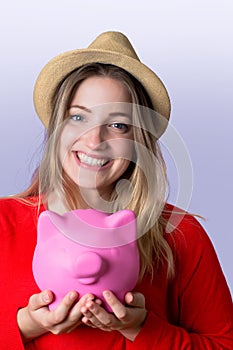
120, 126
77, 117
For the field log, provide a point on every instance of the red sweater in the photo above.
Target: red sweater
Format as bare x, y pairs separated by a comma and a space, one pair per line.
192, 311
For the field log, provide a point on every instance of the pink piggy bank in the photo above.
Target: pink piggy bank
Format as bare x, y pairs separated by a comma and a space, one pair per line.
87, 251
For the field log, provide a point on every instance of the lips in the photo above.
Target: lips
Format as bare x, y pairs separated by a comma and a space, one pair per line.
84, 159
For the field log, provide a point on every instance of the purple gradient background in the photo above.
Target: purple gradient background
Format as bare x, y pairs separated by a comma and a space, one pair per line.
190, 47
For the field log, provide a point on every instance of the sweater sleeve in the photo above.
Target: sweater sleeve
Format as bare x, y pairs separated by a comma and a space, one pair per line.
16, 283
204, 304
10, 338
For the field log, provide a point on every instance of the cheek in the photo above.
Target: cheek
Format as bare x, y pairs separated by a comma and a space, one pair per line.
119, 168
124, 149
68, 138
124, 166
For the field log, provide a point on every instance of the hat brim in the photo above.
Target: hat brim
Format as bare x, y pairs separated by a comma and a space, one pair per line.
60, 66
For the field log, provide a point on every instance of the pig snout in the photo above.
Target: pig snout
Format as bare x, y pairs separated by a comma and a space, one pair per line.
88, 268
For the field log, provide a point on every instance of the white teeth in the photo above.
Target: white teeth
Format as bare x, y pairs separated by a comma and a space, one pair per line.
91, 161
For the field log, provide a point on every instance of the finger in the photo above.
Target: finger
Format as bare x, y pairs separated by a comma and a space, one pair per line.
91, 320
75, 312
98, 301
98, 316
117, 307
60, 313
87, 322
80, 305
135, 299
85, 298
67, 316
85, 311
95, 324
39, 300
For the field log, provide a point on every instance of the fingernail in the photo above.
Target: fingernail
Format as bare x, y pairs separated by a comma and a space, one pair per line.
72, 296
92, 307
130, 298
106, 295
89, 299
46, 297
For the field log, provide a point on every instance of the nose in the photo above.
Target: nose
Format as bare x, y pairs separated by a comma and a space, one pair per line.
88, 267
95, 137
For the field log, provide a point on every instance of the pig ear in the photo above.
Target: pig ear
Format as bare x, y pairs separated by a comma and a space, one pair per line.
120, 218
45, 227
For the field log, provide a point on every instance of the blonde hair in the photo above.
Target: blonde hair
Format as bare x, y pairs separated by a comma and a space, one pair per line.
146, 194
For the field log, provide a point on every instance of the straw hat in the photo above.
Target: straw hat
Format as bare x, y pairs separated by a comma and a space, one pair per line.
109, 48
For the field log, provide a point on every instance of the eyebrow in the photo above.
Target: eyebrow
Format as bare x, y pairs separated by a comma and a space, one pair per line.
113, 114
81, 107
117, 114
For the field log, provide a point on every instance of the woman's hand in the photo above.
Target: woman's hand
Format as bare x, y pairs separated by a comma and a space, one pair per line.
128, 320
36, 319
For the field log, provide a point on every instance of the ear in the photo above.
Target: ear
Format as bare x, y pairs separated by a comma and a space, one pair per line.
46, 227
120, 218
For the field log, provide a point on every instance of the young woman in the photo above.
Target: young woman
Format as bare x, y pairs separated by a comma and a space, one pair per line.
104, 111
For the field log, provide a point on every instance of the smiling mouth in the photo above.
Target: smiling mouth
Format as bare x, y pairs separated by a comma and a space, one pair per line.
91, 161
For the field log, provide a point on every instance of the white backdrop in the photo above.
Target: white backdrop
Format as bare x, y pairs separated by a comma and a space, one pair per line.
188, 44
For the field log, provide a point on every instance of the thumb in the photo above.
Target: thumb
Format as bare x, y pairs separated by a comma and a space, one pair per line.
41, 299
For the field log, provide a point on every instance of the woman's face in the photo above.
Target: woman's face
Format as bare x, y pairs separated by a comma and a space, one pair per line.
96, 142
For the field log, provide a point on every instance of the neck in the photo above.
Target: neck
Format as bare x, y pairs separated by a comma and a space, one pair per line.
56, 204
89, 198
97, 200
